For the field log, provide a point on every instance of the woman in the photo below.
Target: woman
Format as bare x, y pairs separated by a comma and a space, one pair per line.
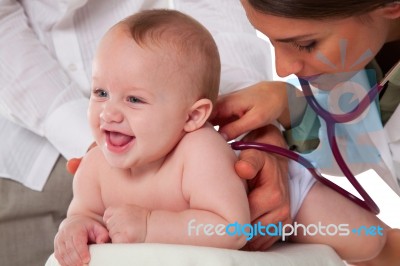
329, 41
314, 40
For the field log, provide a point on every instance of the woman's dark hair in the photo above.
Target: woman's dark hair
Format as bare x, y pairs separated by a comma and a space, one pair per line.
317, 9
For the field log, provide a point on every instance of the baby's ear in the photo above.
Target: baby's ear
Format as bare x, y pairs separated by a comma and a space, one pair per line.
198, 115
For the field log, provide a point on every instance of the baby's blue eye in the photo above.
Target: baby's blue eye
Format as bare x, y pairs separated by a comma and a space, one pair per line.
100, 93
133, 99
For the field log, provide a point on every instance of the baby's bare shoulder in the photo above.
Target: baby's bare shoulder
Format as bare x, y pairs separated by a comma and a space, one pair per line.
205, 140
205, 134
93, 157
93, 163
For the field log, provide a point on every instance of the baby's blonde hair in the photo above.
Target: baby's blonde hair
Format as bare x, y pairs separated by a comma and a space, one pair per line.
191, 42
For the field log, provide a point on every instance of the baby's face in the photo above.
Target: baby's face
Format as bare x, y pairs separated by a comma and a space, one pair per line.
137, 107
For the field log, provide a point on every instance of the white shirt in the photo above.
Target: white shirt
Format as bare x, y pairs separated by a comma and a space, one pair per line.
46, 49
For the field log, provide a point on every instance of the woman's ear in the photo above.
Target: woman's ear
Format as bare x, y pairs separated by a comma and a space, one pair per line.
391, 10
198, 114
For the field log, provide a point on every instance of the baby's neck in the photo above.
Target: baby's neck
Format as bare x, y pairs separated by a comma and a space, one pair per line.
144, 170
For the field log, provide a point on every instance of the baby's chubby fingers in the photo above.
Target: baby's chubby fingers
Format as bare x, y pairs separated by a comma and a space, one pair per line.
127, 223
108, 213
60, 253
73, 237
71, 250
81, 254
98, 234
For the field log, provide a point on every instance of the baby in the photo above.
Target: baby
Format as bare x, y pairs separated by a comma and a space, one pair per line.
158, 164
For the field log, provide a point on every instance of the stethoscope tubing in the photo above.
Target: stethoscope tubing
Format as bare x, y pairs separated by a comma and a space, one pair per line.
244, 145
331, 120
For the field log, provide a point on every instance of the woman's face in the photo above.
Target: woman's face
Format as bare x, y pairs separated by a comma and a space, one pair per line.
309, 48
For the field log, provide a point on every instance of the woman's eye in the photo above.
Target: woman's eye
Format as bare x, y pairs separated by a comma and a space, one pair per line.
100, 93
133, 99
305, 46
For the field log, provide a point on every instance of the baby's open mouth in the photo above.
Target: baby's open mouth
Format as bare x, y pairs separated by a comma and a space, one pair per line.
118, 139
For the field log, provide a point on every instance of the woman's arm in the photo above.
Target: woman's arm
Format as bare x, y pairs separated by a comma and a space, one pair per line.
36, 92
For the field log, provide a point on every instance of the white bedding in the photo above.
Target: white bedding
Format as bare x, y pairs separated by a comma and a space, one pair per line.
176, 255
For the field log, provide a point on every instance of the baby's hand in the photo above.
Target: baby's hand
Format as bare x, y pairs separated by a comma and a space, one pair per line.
126, 224
71, 241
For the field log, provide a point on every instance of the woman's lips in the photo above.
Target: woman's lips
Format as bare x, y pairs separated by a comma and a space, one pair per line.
118, 142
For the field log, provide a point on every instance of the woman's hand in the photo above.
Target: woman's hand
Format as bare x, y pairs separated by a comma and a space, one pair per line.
73, 165
251, 108
267, 176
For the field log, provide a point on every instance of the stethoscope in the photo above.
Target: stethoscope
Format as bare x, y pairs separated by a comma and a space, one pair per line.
331, 121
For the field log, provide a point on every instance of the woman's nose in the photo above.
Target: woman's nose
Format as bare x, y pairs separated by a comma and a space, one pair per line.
287, 64
111, 113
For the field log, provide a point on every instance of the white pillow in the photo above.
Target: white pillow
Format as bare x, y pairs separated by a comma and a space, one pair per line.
183, 255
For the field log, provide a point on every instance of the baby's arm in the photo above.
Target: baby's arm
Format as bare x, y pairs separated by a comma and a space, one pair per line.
84, 220
354, 233
216, 195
